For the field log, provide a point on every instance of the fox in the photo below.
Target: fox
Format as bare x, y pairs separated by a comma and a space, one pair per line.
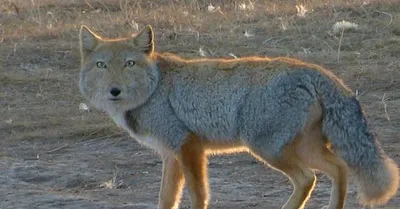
293, 116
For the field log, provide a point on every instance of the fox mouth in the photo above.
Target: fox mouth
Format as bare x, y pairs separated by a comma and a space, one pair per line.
115, 99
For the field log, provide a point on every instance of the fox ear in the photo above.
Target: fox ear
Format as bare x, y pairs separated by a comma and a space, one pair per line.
88, 39
145, 40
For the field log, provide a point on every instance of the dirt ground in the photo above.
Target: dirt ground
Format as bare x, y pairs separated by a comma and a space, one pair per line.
55, 155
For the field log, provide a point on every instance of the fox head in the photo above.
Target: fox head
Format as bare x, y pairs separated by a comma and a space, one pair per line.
117, 74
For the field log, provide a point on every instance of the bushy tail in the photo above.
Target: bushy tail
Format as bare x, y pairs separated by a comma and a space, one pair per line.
345, 125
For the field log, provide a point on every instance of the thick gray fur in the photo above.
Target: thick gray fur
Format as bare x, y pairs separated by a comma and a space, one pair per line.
258, 110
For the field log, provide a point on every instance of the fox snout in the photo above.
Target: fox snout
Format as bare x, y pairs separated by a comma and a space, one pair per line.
115, 91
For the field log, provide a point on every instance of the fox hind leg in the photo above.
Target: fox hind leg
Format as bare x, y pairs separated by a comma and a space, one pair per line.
336, 170
302, 178
314, 153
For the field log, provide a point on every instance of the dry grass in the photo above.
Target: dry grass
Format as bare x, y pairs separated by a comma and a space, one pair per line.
39, 59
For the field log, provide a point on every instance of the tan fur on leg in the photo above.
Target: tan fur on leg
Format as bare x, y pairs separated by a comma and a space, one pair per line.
302, 178
171, 184
313, 151
193, 161
303, 182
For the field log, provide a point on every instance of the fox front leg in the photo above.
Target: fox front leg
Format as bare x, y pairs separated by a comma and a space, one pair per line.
171, 184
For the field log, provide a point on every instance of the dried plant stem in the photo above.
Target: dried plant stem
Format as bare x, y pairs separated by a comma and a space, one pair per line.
385, 106
340, 44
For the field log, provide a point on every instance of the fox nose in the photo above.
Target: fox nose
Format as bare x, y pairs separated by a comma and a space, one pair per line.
115, 91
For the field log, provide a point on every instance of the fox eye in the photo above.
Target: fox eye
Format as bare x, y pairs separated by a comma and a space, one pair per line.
129, 63
101, 64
